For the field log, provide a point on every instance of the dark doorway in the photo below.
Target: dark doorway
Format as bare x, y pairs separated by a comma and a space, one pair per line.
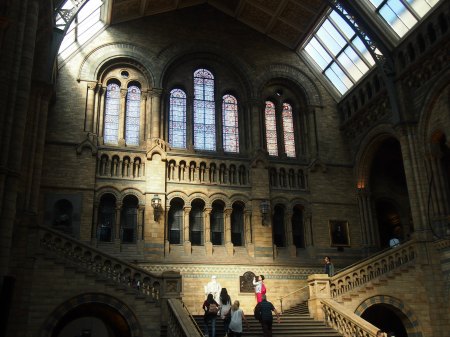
386, 318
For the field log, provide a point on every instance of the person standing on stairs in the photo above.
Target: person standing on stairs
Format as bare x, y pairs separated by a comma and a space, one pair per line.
329, 267
266, 309
237, 316
260, 288
211, 308
225, 306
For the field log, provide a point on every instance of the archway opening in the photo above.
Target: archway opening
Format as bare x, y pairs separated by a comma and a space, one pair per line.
389, 192
92, 319
386, 318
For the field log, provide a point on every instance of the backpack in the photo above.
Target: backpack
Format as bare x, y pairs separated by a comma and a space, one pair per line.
257, 312
213, 309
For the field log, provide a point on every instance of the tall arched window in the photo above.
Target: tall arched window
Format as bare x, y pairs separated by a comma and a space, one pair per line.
237, 225
128, 221
217, 220
175, 222
177, 119
204, 111
196, 223
106, 218
230, 124
288, 130
271, 129
112, 111
278, 226
132, 119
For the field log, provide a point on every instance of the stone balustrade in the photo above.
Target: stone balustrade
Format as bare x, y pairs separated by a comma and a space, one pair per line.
155, 287
365, 271
180, 322
345, 321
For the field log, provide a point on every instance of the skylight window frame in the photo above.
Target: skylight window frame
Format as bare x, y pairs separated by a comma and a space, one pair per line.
334, 87
382, 20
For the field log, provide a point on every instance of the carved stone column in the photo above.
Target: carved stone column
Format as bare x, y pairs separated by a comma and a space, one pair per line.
101, 114
90, 105
248, 234
255, 129
117, 224
94, 231
227, 222
289, 236
156, 106
187, 243
207, 232
366, 215
123, 103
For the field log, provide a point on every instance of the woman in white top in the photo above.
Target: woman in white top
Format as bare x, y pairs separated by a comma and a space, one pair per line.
237, 315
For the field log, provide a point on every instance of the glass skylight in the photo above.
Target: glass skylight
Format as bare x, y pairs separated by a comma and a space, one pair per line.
338, 52
84, 26
402, 15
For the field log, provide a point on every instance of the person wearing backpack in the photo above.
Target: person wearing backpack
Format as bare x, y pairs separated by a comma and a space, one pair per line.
211, 308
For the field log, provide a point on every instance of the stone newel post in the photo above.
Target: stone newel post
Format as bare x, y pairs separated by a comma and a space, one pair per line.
319, 289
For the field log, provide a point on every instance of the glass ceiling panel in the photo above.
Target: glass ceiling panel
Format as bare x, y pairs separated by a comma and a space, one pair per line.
336, 50
85, 25
402, 15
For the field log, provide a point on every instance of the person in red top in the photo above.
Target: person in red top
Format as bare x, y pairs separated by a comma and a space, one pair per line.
260, 288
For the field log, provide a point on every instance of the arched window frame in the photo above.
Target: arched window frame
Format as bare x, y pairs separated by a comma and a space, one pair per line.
282, 133
133, 114
230, 124
177, 118
204, 111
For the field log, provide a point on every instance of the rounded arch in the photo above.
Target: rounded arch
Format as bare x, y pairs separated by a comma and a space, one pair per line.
407, 316
302, 82
201, 196
111, 307
222, 197
431, 120
178, 195
104, 55
367, 151
107, 190
176, 53
131, 191
242, 199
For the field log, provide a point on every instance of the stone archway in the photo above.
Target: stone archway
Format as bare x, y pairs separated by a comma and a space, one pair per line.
109, 314
390, 314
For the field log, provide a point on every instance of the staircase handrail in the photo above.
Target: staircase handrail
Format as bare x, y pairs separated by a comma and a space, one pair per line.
290, 294
110, 268
346, 321
364, 271
180, 322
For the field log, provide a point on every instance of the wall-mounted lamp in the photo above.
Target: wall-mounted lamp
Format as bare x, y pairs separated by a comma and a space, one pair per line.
157, 207
264, 207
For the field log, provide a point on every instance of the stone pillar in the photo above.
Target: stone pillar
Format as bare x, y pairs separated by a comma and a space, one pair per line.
319, 288
227, 222
143, 121
369, 239
117, 223
166, 234
289, 236
207, 232
155, 112
94, 234
187, 243
255, 124
90, 105
123, 104
101, 115
415, 179
248, 234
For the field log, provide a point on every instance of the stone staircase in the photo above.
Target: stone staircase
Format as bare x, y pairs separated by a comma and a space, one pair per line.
294, 322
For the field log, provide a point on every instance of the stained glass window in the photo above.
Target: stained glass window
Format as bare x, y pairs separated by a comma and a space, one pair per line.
338, 52
133, 115
271, 129
402, 15
230, 124
288, 130
177, 118
112, 110
204, 111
